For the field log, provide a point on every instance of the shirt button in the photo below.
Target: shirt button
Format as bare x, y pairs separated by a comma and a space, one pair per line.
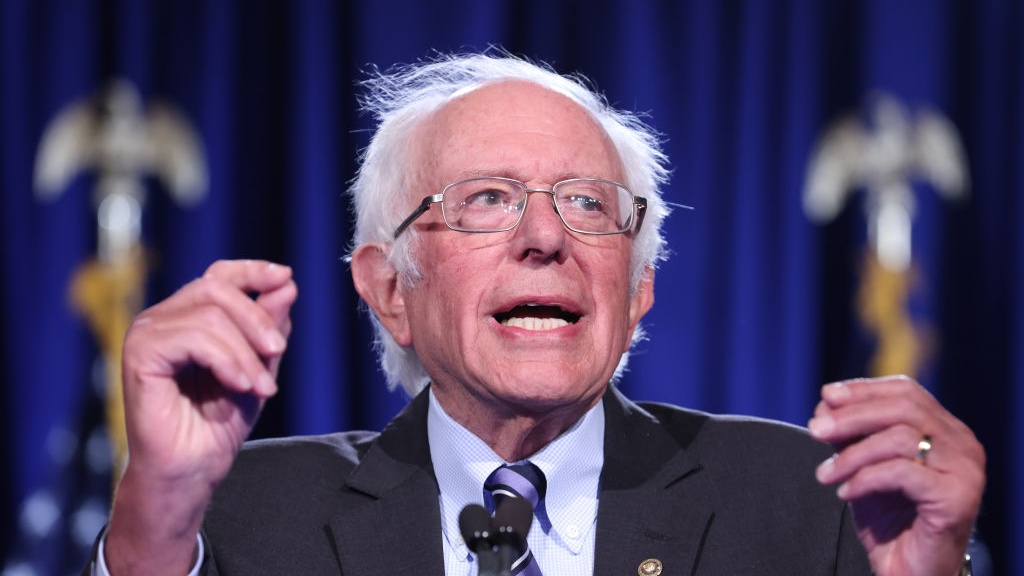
573, 531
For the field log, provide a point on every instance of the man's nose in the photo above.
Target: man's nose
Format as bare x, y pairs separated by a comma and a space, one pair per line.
541, 231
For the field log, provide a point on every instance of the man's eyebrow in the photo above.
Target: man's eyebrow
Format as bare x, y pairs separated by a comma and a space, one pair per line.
484, 172
515, 175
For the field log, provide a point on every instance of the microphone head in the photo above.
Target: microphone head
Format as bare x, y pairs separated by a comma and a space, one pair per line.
513, 518
475, 526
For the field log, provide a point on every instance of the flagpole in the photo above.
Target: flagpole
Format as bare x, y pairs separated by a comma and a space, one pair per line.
113, 134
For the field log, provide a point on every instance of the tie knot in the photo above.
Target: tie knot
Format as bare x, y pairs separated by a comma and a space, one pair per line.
519, 480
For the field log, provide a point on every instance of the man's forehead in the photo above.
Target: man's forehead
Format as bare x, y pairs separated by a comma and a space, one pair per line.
490, 118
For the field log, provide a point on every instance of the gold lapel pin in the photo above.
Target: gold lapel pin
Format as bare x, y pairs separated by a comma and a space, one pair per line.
650, 567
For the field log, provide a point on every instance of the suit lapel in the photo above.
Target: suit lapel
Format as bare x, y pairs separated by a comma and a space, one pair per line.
651, 505
389, 520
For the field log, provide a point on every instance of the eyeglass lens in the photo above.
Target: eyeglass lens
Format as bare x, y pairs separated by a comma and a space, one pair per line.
494, 204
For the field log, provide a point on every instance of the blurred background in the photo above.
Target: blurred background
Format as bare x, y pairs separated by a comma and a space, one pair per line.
855, 169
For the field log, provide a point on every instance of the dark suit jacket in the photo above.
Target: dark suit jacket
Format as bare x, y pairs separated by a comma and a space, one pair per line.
702, 494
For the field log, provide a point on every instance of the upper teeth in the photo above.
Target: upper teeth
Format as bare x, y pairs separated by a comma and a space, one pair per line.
528, 323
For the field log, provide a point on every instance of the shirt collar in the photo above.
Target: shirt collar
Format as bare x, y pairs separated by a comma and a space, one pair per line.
571, 463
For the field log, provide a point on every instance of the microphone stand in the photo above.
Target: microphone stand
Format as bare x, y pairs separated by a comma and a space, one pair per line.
477, 530
497, 542
511, 525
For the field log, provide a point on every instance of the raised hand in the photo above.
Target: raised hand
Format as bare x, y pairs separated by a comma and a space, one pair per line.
912, 472
197, 369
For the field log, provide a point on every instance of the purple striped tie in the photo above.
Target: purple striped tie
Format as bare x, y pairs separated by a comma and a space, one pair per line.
520, 480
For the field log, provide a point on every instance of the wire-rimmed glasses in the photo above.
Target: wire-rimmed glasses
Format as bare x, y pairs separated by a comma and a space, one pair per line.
496, 204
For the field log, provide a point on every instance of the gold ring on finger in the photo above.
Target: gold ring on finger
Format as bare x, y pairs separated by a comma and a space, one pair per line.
924, 447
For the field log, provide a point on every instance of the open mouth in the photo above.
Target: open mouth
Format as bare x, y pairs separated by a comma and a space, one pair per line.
536, 317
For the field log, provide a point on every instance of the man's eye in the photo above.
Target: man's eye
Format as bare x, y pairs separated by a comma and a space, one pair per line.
485, 198
585, 203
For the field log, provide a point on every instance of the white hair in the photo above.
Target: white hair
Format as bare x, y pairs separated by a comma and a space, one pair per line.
404, 96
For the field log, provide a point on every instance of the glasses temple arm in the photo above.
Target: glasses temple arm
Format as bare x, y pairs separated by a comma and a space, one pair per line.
423, 207
641, 209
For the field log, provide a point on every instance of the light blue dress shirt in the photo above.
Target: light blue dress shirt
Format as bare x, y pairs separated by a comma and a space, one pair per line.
562, 540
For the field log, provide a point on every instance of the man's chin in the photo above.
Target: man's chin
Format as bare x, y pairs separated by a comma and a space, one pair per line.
544, 399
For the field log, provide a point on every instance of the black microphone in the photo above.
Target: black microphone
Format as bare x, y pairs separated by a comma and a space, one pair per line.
477, 530
512, 522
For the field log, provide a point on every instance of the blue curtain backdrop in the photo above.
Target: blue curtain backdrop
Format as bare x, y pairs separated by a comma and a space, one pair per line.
754, 308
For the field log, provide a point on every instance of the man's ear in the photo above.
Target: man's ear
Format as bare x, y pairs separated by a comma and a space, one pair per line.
641, 300
376, 280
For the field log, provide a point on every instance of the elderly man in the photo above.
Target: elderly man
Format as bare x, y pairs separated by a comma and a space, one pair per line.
508, 228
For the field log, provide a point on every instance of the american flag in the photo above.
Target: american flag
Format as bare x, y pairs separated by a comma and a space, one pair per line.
58, 523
